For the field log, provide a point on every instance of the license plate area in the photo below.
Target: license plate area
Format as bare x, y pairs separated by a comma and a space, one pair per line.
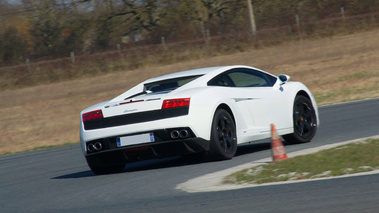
135, 139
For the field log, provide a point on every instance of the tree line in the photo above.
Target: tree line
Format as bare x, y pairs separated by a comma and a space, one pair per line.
54, 28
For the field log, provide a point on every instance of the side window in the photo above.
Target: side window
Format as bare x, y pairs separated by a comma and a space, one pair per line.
221, 80
249, 78
242, 77
271, 78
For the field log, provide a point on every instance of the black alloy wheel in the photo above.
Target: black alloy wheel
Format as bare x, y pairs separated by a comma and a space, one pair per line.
223, 144
304, 121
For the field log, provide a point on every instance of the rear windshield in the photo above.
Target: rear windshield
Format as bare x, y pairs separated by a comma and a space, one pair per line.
169, 84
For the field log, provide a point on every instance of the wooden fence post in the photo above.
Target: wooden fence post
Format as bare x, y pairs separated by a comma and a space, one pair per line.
343, 13
297, 18
252, 18
119, 48
72, 55
163, 40
207, 37
28, 64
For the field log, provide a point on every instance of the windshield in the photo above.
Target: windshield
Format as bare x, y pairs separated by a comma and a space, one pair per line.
169, 84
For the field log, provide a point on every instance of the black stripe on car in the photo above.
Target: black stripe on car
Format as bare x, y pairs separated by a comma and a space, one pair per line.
138, 117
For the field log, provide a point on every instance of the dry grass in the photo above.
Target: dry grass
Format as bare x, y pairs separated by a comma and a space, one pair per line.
336, 69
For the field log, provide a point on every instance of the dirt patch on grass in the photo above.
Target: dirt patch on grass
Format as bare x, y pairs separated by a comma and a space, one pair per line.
336, 69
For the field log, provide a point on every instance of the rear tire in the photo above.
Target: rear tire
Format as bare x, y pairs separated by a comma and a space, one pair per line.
304, 121
106, 163
223, 144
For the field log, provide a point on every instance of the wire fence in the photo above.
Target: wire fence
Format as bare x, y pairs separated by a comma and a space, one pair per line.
125, 57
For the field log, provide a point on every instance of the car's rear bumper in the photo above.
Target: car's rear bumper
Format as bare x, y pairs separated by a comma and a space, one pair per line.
163, 146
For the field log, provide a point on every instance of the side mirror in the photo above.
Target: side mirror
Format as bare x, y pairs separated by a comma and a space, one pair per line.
283, 78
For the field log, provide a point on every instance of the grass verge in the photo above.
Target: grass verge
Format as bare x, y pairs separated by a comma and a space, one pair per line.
346, 159
39, 148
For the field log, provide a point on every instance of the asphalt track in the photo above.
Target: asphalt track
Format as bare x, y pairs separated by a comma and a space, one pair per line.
58, 179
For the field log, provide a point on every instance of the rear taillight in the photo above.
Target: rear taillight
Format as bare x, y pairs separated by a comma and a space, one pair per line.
170, 103
98, 114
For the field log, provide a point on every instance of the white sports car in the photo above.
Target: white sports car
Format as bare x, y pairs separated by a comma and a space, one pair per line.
207, 111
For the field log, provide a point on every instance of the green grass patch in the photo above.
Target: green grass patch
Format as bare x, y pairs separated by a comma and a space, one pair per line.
346, 159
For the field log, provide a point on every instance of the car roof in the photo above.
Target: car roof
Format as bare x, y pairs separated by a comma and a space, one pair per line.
208, 73
194, 72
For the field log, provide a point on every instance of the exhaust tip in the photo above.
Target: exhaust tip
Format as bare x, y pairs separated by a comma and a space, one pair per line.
98, 146
184, 133
175, 134
90, 147
94, 147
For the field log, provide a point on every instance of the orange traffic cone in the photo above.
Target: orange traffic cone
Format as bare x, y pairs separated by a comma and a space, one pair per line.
277, 148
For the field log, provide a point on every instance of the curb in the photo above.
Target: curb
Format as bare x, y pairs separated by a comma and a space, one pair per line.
213, 181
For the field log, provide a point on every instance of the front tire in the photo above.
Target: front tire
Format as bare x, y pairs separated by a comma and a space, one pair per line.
304, 121
223, 144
